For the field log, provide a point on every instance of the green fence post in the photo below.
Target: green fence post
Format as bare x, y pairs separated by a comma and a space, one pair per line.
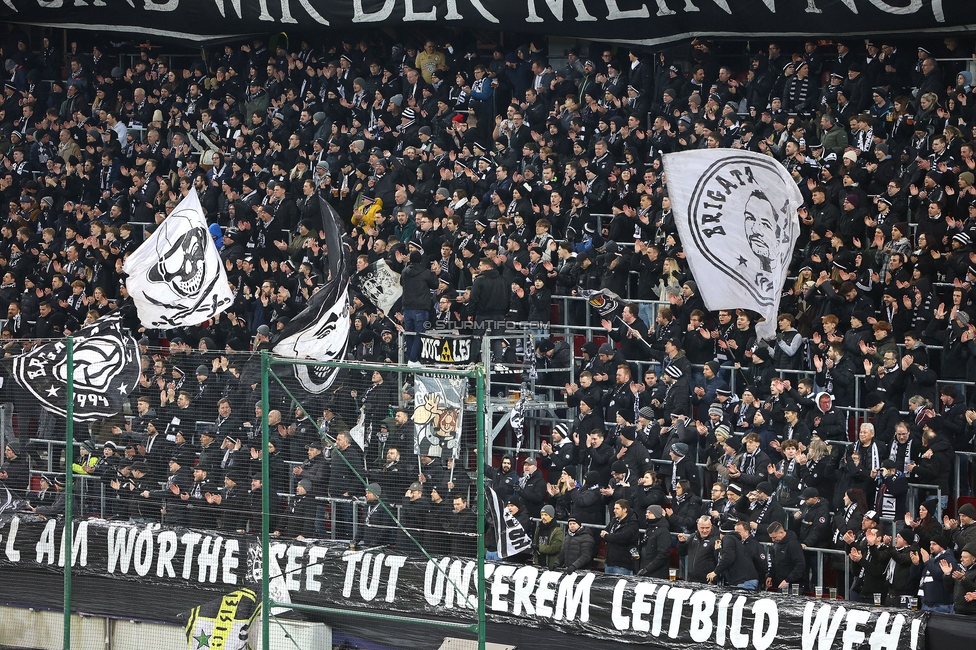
69, 459
265, 505
480, 421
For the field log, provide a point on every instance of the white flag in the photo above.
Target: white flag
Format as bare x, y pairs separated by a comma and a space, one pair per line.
736, 213
176, 278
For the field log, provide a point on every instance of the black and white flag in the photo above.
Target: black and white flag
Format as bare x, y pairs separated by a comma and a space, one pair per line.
321, 330
8, 503
437, 416
106, 370
509, 534
606, 302
176, 278
379, 284
736, 213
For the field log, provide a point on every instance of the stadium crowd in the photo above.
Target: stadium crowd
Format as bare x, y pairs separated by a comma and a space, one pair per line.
493, 181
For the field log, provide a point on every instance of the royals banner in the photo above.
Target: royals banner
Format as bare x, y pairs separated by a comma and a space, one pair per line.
628, 609
176, 277
105, 370
736, 214
640, 21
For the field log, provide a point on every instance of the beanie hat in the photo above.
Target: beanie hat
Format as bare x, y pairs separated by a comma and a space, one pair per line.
908, 534
673, 371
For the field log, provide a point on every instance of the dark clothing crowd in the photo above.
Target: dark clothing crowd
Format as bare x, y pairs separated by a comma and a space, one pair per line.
502, 186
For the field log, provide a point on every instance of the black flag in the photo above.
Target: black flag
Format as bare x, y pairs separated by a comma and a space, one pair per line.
320, 331
106, 370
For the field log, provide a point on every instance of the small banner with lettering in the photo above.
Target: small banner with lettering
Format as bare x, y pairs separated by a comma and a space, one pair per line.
454, 350
223, 622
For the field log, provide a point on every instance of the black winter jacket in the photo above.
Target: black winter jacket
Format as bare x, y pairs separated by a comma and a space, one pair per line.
655, 550
417, 282
787, 562
702, 555
620, 538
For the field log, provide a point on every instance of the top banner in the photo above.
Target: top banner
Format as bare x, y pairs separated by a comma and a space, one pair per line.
634, 21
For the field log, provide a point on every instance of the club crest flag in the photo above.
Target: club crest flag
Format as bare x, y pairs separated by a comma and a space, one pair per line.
106, 370
379, 284
736, 213
176, 278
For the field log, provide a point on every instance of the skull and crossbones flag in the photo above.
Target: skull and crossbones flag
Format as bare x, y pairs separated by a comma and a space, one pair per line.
105, 370
736, 213
321, 330
176, 278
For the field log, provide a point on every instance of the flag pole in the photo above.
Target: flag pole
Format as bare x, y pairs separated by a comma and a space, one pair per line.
69, 434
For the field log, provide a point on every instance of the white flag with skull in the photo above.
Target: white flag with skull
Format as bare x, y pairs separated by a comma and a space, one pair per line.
176, 278
736, 213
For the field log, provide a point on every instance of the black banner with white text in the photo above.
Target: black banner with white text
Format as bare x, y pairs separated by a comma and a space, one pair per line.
643, 21
627, 609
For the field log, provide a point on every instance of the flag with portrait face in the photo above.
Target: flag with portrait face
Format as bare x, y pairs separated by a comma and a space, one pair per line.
736, 214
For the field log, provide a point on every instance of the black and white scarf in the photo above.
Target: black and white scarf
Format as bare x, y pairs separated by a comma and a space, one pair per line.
747, 463
901, 454
848, 511
873, 453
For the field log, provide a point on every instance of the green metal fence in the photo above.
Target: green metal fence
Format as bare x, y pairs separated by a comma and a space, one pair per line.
272, 375
277, 378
